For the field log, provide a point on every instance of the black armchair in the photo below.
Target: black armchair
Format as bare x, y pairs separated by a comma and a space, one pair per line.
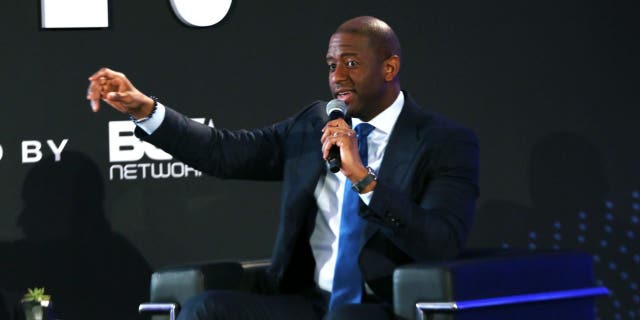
543, 285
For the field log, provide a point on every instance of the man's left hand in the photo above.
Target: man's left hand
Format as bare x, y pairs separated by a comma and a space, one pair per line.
338, 132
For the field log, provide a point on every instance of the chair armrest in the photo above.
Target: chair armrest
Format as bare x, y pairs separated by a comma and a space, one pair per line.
450, 284
177, 284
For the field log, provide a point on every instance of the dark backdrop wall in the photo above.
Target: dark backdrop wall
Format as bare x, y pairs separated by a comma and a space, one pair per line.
550, 87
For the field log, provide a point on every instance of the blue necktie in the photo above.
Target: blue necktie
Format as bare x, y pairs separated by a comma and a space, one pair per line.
347, 279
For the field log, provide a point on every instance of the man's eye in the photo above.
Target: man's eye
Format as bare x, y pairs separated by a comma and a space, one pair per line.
332, 67
351, 64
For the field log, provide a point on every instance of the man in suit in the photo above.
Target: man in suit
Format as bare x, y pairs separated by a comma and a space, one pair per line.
407, 184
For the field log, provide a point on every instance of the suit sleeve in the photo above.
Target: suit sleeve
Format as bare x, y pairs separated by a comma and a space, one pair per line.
238, 154
431, 219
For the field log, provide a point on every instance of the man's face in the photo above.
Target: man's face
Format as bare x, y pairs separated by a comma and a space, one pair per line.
355, 74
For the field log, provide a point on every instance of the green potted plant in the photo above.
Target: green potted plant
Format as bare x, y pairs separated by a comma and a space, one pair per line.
35, 304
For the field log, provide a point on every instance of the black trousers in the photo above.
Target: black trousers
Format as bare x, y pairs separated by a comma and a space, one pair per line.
236, 305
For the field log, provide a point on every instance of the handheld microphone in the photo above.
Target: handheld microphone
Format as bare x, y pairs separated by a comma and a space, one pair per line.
336, 109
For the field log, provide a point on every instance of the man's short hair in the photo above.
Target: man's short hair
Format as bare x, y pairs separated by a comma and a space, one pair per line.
381, 37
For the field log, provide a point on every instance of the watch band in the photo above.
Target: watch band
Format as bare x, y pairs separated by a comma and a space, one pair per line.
141, 120
366, 181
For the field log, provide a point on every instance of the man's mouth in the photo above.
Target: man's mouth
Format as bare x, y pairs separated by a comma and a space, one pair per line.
344, 95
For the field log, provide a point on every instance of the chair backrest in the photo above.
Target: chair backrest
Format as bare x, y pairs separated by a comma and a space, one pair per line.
473, 286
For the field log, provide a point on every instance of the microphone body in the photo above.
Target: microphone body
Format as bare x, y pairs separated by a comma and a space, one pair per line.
336, 109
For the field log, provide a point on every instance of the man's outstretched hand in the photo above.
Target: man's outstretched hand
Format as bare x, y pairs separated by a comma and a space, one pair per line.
115, 89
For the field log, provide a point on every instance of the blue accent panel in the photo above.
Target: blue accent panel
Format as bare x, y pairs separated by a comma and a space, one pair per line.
533, 297
480, 280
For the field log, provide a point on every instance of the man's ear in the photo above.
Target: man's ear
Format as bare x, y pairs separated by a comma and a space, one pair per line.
391, 67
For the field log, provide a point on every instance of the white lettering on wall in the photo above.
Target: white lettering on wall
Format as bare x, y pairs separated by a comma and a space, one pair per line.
75, 14
1, 152
57, 150
124, 146
32, 150
155, 170
95, 13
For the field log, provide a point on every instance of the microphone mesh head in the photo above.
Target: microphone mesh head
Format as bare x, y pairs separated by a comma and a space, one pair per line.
336, 105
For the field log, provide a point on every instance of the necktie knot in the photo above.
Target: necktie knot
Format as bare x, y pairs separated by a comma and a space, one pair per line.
363, 130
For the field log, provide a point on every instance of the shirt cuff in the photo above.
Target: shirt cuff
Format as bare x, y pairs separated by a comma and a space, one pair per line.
155, 121
366, 197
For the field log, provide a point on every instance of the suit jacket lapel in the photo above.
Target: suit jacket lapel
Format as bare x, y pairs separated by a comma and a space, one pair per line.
401, 149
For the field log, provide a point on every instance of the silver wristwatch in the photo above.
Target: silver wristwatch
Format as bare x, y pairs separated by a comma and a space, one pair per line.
362, 184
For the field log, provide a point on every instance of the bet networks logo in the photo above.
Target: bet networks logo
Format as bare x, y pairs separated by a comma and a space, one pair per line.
95, 13
126, 151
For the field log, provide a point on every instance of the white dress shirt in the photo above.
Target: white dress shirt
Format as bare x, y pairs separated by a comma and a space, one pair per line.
329, 190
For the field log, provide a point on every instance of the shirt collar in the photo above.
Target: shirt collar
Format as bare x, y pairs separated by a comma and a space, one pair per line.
386, 120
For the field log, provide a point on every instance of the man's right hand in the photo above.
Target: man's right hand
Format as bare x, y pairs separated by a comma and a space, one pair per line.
115, 89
